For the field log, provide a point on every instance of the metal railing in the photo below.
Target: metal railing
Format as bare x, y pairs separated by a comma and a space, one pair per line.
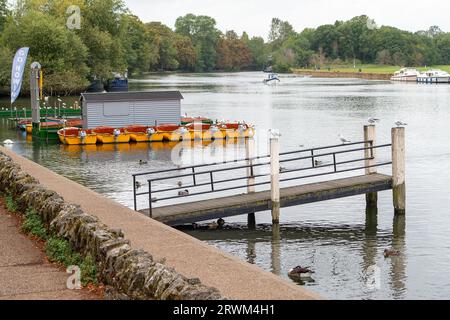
216, 184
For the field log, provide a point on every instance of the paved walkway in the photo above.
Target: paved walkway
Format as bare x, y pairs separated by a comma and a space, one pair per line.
24, 274
193, 258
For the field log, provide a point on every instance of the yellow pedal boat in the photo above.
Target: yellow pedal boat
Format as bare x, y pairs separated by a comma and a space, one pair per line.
107, 135
77, 136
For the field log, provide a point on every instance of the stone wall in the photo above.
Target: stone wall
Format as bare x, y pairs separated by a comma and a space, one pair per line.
127, 273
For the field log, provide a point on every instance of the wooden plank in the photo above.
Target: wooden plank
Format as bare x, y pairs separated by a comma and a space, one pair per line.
261, 201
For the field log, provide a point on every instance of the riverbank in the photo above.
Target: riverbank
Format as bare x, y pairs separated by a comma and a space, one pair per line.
338, 74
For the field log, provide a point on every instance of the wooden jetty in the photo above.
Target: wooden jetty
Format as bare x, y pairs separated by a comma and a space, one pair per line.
208, 179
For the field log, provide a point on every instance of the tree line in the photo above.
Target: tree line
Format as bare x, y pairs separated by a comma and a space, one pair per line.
112, 39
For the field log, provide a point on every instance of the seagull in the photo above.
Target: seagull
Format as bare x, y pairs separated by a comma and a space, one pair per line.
400, 124
138, 185
282, 169
300, 272
373, 120
184, 193
275, 133
142, 162
391, 253
343, 139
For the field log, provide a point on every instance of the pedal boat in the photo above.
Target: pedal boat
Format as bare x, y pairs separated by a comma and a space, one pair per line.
77, 136
107, 135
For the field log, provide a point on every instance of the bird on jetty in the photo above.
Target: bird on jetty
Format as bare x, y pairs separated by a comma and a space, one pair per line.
184, 193
400, 124
300, 273
343, 139
391, 253
318, 163
373, 120
142, 162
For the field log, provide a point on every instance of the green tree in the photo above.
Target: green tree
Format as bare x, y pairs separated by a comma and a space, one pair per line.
259, 51
280, 31
3, 13
63, 53
204, 35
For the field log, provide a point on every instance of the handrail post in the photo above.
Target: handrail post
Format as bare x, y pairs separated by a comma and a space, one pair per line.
212, 181
134, 193
275, 177
398, 170
193, 176
250, 150
370, 155
150, 200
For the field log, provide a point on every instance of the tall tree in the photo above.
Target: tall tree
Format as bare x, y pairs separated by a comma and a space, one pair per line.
3, 13
204, 35
233, 53
280, 31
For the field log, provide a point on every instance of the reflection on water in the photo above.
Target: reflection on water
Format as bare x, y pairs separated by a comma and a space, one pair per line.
332, 251
340, 240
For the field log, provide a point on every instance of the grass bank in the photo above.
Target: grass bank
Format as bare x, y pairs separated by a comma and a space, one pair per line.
368, 71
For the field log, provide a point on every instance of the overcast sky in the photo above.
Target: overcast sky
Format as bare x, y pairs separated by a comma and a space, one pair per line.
254, 16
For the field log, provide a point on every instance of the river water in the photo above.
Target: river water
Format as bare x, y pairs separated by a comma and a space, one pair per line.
338, 239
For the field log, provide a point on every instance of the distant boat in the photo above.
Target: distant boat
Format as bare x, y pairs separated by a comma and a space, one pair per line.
119, 84
272, 77
434, 76
406, 75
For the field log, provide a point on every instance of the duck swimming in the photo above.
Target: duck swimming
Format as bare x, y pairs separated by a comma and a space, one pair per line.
300, 272
391, 253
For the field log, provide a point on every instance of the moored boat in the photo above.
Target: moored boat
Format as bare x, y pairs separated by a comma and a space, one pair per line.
434, 76
406, 75
164, 133
189, 120
140, 133
77, 136
237, 130
107, 135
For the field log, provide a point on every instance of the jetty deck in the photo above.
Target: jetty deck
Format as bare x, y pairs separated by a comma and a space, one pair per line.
261, 201
274, 181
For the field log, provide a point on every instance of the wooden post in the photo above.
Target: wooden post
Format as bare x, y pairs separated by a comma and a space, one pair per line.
371, 154
275, 178
398, 170
250, 153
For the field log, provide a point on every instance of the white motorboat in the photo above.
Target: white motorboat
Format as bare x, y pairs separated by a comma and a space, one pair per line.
272, 77
434, 76
406, 74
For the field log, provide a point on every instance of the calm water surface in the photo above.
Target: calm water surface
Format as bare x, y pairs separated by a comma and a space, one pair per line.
337, 239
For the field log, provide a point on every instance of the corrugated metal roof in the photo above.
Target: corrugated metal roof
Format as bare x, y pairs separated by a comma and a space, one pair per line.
132, 96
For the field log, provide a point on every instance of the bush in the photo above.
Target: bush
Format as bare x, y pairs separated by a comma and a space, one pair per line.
88, 271
11, 204
33, 225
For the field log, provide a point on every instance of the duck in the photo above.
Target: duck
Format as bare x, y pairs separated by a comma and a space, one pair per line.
391, 253
300, 272
138, 185
184, 193
142, 162
217, 225
180, 184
